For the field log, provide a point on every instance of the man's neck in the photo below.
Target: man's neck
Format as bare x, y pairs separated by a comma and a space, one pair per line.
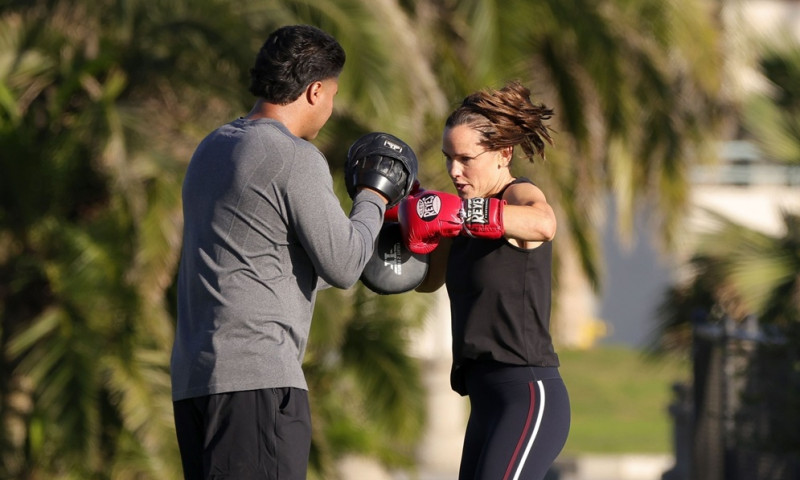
287, 114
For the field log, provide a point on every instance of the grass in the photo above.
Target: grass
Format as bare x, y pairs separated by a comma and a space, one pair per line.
619, 400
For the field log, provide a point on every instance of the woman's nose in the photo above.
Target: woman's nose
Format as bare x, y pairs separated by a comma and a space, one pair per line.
453, 169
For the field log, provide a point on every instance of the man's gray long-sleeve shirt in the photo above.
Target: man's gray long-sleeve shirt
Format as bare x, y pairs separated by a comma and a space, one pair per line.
263, 230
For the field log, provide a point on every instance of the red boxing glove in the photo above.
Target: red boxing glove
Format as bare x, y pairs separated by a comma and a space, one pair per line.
391, 213
427, 217
483, 217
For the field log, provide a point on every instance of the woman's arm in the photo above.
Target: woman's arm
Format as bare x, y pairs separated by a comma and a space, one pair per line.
527, 217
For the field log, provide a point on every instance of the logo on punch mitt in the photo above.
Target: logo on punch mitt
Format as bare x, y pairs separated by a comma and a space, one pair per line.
393, 258
389, 144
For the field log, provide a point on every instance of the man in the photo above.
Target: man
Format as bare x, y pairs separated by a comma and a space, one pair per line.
263, 231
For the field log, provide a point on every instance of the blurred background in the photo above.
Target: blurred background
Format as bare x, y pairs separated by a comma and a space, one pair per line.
675, 177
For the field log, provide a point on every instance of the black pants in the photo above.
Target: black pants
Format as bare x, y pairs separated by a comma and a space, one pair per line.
256, 434
518, 423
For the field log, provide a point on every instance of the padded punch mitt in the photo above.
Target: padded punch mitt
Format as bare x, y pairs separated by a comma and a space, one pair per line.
382, 162
393, 268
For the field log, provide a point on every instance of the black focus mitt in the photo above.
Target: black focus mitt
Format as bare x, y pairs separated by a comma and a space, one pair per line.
393, 268
382, 162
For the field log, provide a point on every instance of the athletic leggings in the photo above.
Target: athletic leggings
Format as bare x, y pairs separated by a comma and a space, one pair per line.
518, 423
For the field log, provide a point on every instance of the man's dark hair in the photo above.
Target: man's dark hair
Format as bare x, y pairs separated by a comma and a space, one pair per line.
291, 59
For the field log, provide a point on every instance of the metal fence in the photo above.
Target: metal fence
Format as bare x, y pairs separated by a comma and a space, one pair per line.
740, 418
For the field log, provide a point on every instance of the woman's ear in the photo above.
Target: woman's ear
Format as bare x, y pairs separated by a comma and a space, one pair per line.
507, 153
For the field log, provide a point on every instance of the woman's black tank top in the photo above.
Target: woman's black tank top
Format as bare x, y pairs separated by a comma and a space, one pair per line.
500, 302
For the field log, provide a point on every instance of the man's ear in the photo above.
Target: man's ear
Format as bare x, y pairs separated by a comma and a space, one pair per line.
312, 92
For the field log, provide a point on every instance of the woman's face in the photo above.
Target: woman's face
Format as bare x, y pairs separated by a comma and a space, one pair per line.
475, 171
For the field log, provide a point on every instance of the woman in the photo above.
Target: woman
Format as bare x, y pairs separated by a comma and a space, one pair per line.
491, 245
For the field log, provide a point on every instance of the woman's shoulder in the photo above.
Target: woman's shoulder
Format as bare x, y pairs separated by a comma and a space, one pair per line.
521, 188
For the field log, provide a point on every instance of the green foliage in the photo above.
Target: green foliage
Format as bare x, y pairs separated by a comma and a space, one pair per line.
89, 223
773, 119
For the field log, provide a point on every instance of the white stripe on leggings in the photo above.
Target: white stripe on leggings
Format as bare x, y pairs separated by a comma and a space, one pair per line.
535, 431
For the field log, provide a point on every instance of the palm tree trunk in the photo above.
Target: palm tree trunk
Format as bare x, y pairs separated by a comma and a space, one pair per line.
16, 405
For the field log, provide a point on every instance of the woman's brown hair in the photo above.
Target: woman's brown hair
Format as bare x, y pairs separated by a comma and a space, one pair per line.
505, 118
